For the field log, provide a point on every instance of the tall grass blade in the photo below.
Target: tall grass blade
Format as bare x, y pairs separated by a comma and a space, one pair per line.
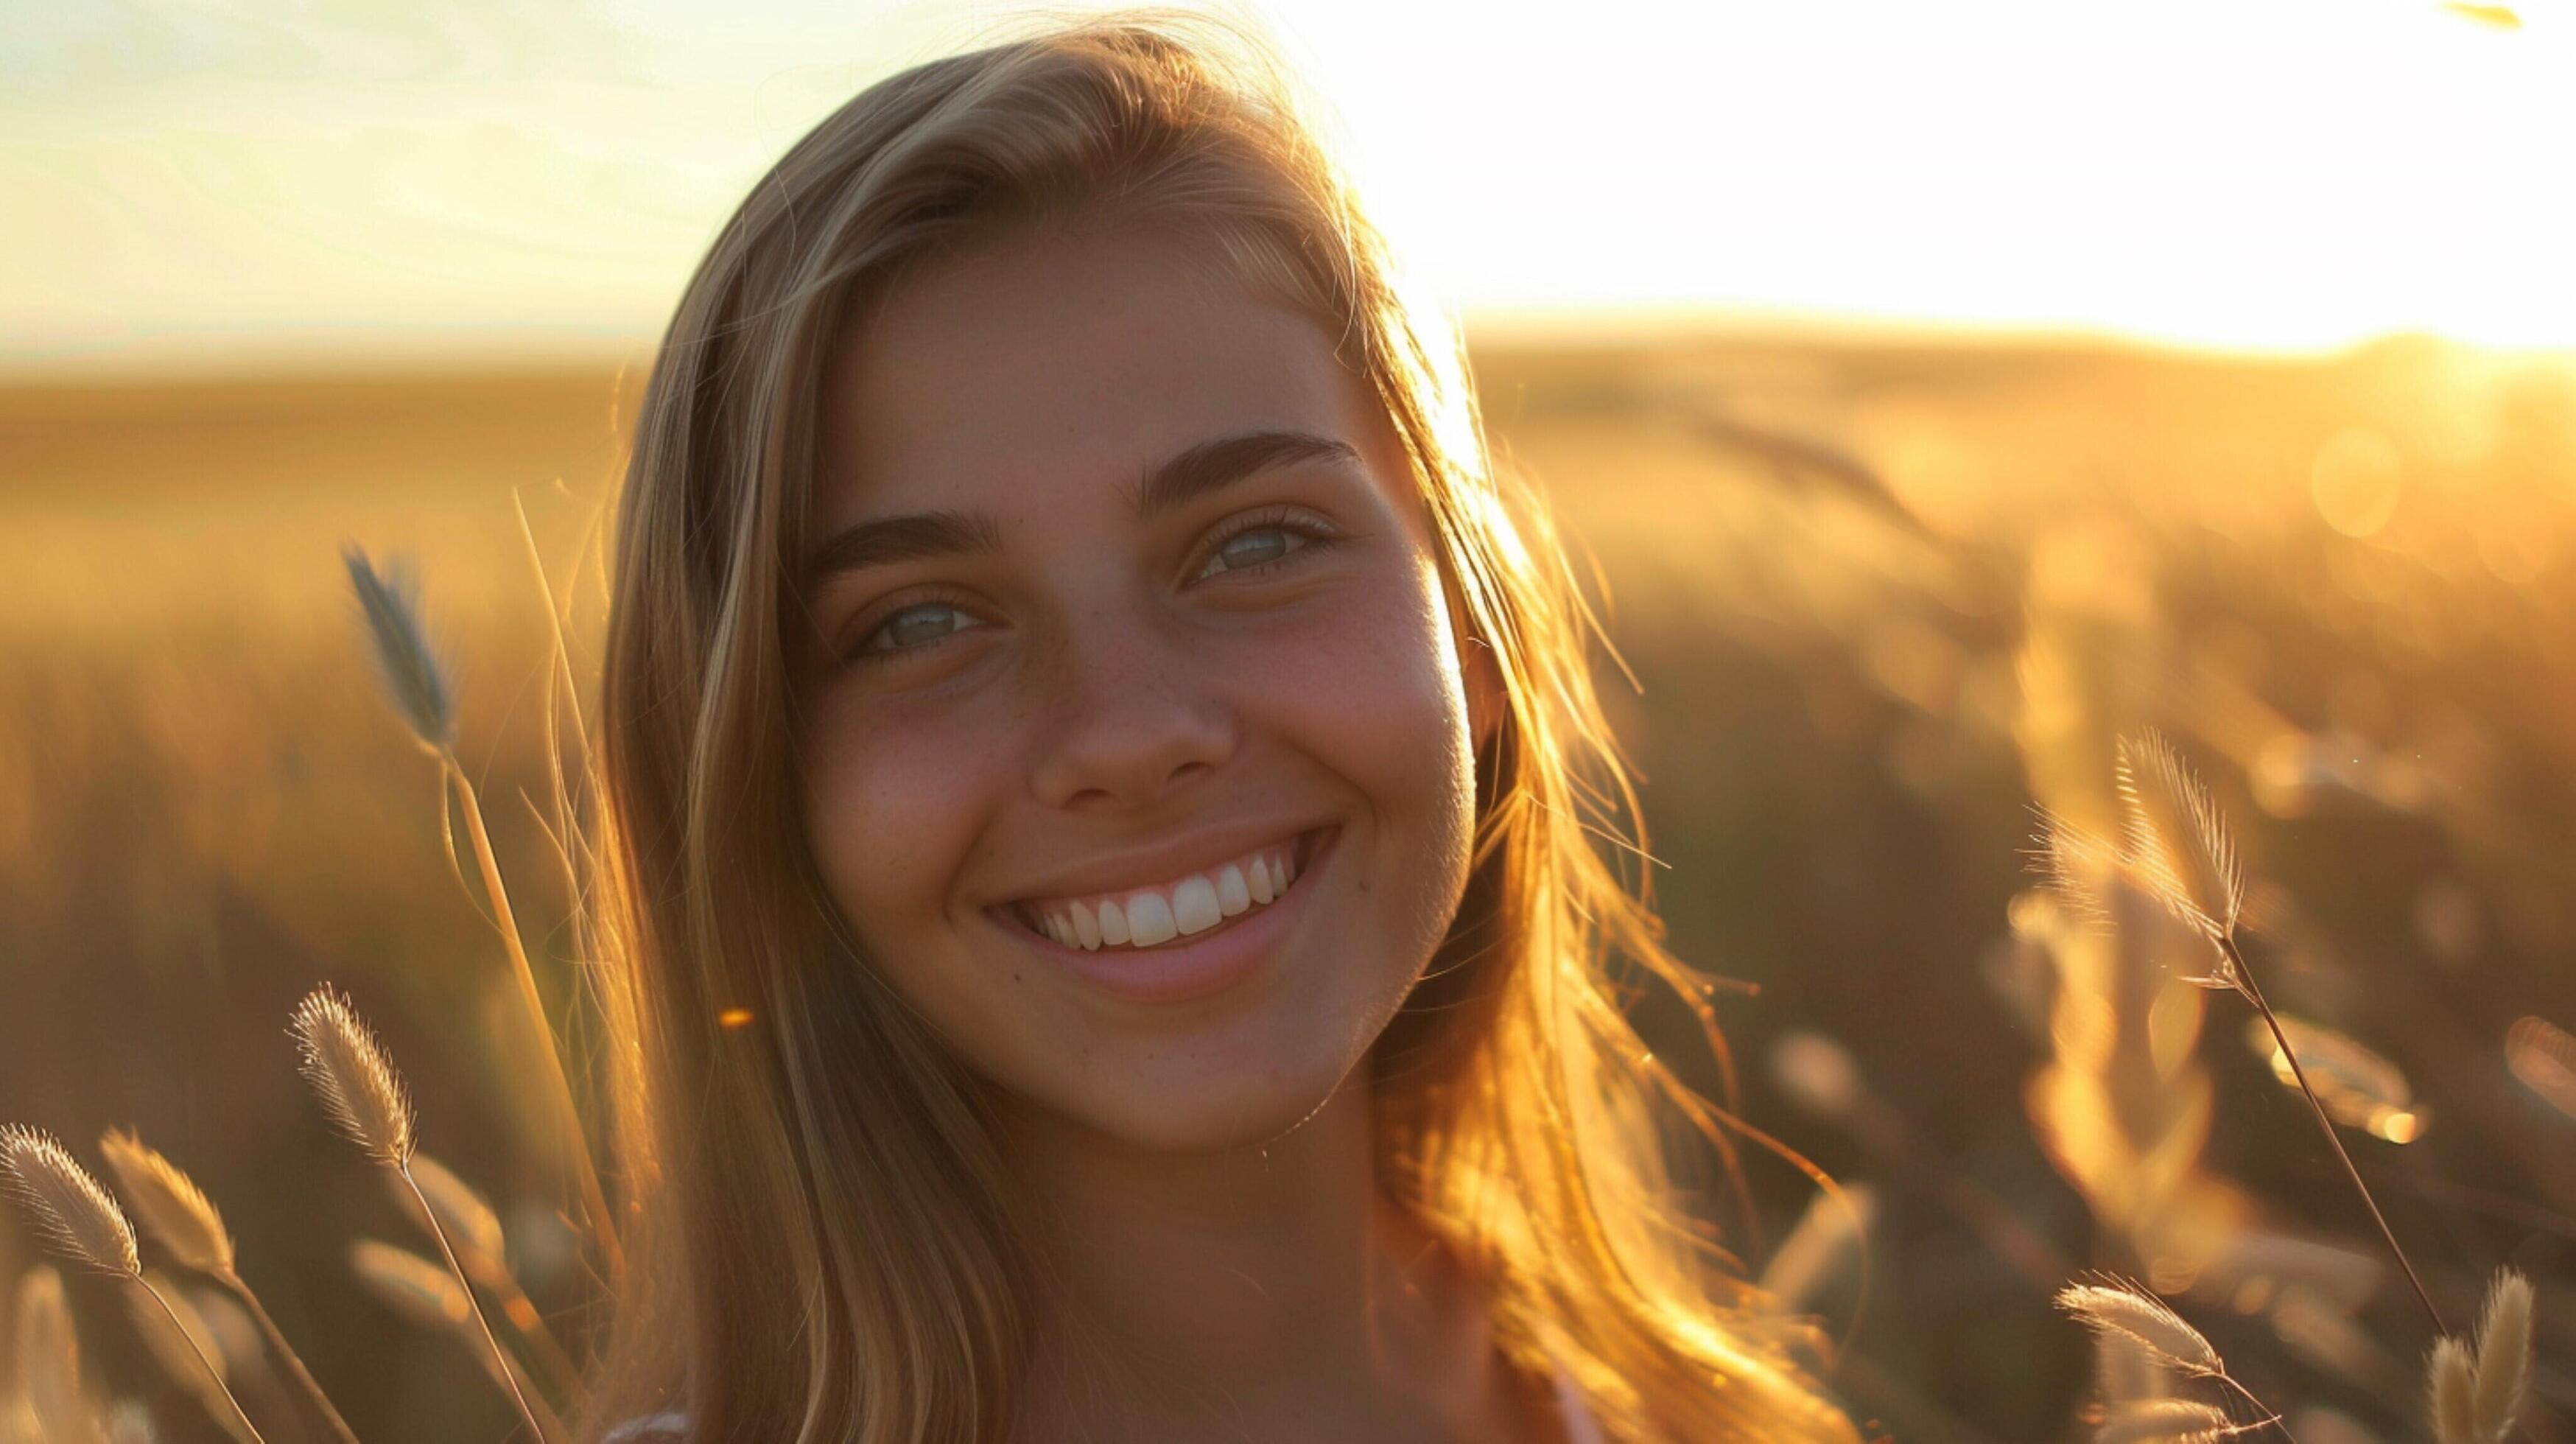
576, 1141
389, 601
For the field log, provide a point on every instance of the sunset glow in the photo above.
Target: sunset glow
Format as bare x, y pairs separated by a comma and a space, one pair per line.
214, 187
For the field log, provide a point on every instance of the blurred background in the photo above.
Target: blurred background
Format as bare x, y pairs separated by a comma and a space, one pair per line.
1939, 390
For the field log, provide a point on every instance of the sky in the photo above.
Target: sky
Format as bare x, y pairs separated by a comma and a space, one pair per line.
208, 185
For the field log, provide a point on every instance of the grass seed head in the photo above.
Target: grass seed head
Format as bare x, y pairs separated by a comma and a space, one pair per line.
2123, 1308
2077, 866
356, 1081
412, 1286
171, 1207
2504, 1356
2177, 842
69, 1208
391, 605
2450, 1385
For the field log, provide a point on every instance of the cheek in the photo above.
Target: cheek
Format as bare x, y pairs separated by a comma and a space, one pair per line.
1374, 692
893, 809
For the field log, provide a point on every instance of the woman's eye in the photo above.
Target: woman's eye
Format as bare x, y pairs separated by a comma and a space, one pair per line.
914, 628
1253, 548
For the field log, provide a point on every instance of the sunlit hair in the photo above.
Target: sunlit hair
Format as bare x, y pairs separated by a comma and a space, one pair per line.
822, 1231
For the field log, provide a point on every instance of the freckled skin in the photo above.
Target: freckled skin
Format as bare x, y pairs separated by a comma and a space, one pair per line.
1093, 692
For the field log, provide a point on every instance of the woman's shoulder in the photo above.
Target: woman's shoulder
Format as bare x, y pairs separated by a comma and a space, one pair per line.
1580, 1425
669, 1424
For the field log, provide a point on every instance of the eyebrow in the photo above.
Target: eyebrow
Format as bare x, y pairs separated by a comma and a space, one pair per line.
1207, 467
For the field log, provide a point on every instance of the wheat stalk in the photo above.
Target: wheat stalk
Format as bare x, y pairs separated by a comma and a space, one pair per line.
411, 671
364, 1094
184, 1221
83, 1221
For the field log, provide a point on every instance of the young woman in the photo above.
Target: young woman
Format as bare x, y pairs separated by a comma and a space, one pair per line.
1103, 937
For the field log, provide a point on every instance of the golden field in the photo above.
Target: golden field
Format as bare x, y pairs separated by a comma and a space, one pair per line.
1878, 598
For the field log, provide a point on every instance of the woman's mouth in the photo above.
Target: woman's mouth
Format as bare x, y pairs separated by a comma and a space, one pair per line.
1190, 907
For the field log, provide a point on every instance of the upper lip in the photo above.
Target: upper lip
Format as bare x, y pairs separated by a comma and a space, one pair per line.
1160, 862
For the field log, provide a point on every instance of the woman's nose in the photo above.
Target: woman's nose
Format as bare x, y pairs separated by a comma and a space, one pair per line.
1130, 715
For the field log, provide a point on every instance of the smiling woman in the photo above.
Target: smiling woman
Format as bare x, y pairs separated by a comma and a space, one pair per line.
1075, 681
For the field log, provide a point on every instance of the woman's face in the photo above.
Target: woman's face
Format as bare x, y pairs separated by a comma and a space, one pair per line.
1136, 740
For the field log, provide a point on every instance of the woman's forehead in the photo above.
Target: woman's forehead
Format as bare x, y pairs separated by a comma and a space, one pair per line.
1068, 357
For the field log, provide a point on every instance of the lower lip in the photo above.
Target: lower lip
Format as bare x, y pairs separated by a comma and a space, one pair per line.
1188, 968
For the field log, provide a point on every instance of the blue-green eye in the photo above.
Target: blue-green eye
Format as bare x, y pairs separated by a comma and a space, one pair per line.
913, 629
1252, 548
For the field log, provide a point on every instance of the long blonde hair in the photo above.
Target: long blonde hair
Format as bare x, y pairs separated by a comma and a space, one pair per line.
819, 1227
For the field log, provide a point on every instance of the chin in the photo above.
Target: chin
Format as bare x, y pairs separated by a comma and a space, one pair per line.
1213, 1104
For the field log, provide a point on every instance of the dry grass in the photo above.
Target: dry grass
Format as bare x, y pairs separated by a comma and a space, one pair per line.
78, 1217
1845, 700
364, 1094
174, 1210
84, 1222
2177, 848
354, 1078
2478, 1393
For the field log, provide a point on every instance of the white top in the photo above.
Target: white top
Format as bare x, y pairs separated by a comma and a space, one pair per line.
1580, 1425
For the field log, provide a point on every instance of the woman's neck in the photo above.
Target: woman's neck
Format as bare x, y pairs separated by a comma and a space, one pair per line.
1272, 1290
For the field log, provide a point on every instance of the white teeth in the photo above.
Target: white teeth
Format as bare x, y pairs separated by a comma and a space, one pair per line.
1151, 916
1149, 919
1194, 906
